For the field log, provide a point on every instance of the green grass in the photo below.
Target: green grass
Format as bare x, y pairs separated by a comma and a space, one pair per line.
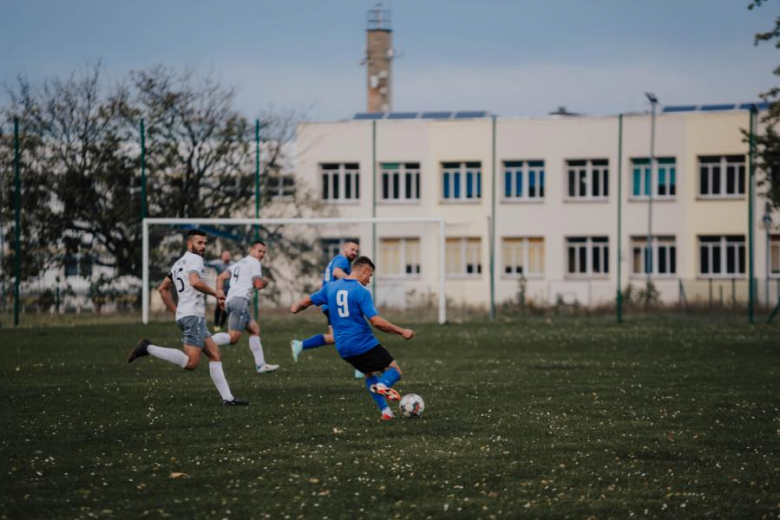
541, 418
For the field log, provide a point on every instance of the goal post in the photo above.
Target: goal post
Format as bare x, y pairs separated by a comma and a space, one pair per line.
147, 222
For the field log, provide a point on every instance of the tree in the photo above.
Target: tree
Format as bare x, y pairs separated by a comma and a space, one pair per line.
768, 141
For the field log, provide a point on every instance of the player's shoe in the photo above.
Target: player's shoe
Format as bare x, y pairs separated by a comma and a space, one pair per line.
296, 347
235, 402
264, 369
384, 390
140, 350
359, 374
387, 414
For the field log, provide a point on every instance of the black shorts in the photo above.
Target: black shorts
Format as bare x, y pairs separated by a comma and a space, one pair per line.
375, 360
327, 317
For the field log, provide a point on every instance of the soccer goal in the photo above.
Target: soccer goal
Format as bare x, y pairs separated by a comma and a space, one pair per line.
440, 236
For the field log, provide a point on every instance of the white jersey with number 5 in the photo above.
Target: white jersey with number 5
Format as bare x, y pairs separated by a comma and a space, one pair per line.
191, 301
242, 277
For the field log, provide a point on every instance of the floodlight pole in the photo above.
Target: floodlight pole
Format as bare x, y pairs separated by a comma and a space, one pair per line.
17, 223
144, 209
373, 203
649, 265
620, 222
751, 259
492, 225
257, 201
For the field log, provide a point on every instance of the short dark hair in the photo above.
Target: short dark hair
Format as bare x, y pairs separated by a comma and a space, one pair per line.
195, 233
255, 242
363, 261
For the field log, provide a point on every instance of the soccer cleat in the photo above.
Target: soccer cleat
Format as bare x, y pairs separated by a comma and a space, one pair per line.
385, 391
139, 350
387, 414
264, 369
296, 347
359, 374
235, 402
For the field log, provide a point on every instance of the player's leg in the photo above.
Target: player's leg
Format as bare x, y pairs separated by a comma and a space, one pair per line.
390, 375
212, 351
253, 328
379, 400
218, 317
316, 341
186, 360
238, 314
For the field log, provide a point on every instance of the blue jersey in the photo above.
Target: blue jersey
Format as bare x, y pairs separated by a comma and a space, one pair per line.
349, 306
339, 261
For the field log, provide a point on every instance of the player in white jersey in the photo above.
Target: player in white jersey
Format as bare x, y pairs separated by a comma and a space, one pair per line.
190, 314
246, 277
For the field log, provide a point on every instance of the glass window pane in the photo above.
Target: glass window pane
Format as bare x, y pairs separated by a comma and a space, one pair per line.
583, 259
704, 259
672, 260
325, 186
596, 254
672, 181
572, 183
541, 183
469, 188
385, 186
532, 183
731, 180
731, 259
396, 185
637, 182
704, 180
357, 185
446, 185
716, 260
408, 178
519, 183
716, 180
335, 191
741, 258
456, 185
605, 176
348, 186
662, 259
572, 260
741, 180
507, 184
583, 183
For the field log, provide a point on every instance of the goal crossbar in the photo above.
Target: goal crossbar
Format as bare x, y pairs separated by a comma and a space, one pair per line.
147, 222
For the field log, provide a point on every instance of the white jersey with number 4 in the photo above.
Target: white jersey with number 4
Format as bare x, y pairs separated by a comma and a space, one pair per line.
191, 301
242, 277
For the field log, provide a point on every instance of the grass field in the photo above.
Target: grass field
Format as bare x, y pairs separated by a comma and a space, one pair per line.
542, 418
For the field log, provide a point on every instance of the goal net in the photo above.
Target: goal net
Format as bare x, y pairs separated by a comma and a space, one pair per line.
409, 253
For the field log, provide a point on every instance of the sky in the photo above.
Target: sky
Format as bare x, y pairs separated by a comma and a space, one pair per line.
510, 57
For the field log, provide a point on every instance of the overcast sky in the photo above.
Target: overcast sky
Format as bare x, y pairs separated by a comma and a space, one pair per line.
511, 57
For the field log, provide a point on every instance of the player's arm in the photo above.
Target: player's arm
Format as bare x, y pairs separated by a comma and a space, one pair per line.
200, 285
339, 273
318, 298
385, 326
221, 283
338, 269
165, 293
303, 304
260, 283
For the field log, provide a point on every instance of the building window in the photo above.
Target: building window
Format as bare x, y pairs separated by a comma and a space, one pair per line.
722, 176
664, 177
774, 256
588, 179
463, 257
462, 181
588, 256
523, 256
281, 186
77, 264
663, 260
399, 256
333, 246
523, 180
340, 182
722, 256
400, 182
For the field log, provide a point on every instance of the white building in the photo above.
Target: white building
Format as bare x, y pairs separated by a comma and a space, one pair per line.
551, 184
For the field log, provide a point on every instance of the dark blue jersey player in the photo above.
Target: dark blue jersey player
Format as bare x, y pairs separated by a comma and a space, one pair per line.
349, 306
339, 267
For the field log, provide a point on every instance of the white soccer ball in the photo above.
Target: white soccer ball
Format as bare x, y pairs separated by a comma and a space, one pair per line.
411, 405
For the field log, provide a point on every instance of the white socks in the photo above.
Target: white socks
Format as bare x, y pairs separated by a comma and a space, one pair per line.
257, 350
171, 355
218, 376
221, 338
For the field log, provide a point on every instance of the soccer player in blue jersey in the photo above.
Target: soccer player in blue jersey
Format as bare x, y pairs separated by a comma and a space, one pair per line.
349, 306
339, 267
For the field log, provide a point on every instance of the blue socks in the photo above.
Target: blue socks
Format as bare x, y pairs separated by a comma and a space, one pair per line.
390, 377
314, 342
378, 399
